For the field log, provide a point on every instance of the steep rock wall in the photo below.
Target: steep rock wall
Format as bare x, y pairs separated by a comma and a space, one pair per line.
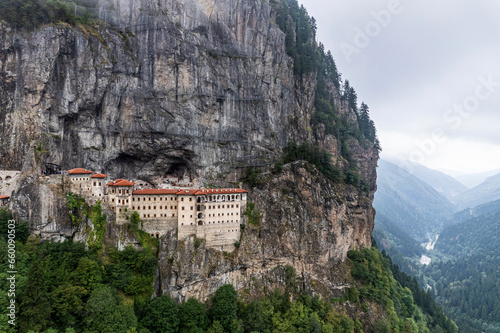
183, 86
306, 222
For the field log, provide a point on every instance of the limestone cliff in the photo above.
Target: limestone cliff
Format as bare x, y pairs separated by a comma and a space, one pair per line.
198, 87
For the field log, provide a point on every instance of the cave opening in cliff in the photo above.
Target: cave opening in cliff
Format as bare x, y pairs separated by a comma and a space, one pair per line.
178, 168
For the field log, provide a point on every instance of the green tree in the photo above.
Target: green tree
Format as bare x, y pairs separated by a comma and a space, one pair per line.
193, 316
35, 306
104, 313
88, 274
224, 307
162, 315
68, 303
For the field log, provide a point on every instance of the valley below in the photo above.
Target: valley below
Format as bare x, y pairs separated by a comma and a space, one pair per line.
458, 263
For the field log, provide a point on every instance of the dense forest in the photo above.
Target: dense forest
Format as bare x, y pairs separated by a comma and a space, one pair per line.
468, 283
62, 287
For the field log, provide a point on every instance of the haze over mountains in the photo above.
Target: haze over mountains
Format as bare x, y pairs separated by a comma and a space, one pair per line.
487, 191
444, 184
487, 188
446, 235
473, 180
409, 202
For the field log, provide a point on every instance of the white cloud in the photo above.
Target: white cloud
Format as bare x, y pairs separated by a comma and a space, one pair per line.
428, 58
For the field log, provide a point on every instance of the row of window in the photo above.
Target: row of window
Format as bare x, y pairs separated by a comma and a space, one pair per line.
155, 215
214, 222
232, 221
79, 179
154, 199
221, 214
223, 206
211, 198
154, 207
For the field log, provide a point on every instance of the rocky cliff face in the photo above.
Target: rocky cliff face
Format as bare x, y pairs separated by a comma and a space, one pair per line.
203, 88
306, 222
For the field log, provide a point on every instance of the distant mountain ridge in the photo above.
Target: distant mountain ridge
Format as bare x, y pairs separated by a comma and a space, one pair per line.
487, 191
410, 203
473, 180
469, 213
444, 184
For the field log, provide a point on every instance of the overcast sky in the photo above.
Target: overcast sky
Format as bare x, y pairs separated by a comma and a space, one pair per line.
429, 71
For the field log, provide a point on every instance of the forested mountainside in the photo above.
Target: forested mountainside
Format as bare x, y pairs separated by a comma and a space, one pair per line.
458, 263
63, 287
223, 92
410, 203
466, 278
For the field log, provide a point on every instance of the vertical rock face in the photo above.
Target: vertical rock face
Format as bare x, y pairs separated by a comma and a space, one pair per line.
306, 222
183, 86
192, 86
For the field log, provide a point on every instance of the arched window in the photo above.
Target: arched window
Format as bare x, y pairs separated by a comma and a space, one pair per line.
200, 215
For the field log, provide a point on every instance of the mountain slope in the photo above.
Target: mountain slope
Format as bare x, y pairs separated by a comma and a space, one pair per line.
466, 285
474, 236
444, 184
394, 238
473, 180
410, 203
484, 209
487, 191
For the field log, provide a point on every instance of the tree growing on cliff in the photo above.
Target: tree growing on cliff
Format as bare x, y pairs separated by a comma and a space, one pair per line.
162, 315
35, 305
193, 316
105, 313
224, 307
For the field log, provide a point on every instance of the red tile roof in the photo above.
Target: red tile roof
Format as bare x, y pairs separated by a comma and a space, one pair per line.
211, 191
155, 191
120, 182
4, 197
79, 171
99, 175
187, 192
